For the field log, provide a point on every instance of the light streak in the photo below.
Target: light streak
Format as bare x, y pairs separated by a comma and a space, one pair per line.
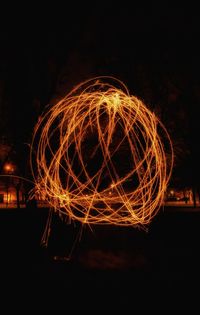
100, 156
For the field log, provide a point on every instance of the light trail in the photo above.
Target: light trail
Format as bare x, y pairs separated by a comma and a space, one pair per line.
100, 156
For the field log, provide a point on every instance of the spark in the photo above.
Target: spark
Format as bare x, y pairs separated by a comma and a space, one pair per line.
100, 156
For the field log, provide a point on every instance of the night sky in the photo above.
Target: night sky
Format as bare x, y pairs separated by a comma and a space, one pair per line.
38, 63
153, 49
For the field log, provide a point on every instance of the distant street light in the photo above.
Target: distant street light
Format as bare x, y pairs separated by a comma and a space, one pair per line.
9, 168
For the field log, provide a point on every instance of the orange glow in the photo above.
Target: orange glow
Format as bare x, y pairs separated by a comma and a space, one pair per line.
9, 198
101, 156
8, 167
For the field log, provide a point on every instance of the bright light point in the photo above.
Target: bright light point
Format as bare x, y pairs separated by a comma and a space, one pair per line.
99, 137
113, 101
8, 167
64, 199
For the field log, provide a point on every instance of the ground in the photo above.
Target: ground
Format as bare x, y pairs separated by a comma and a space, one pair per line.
108, 266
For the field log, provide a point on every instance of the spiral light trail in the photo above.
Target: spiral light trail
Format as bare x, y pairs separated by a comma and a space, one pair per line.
100, 156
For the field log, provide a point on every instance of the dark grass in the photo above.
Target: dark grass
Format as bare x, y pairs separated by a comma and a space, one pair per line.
112, 266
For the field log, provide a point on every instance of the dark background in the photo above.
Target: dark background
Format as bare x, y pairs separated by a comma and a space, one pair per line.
154, 50
151, 48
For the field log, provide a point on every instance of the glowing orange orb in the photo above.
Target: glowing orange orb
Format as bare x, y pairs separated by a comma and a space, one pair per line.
101, 155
